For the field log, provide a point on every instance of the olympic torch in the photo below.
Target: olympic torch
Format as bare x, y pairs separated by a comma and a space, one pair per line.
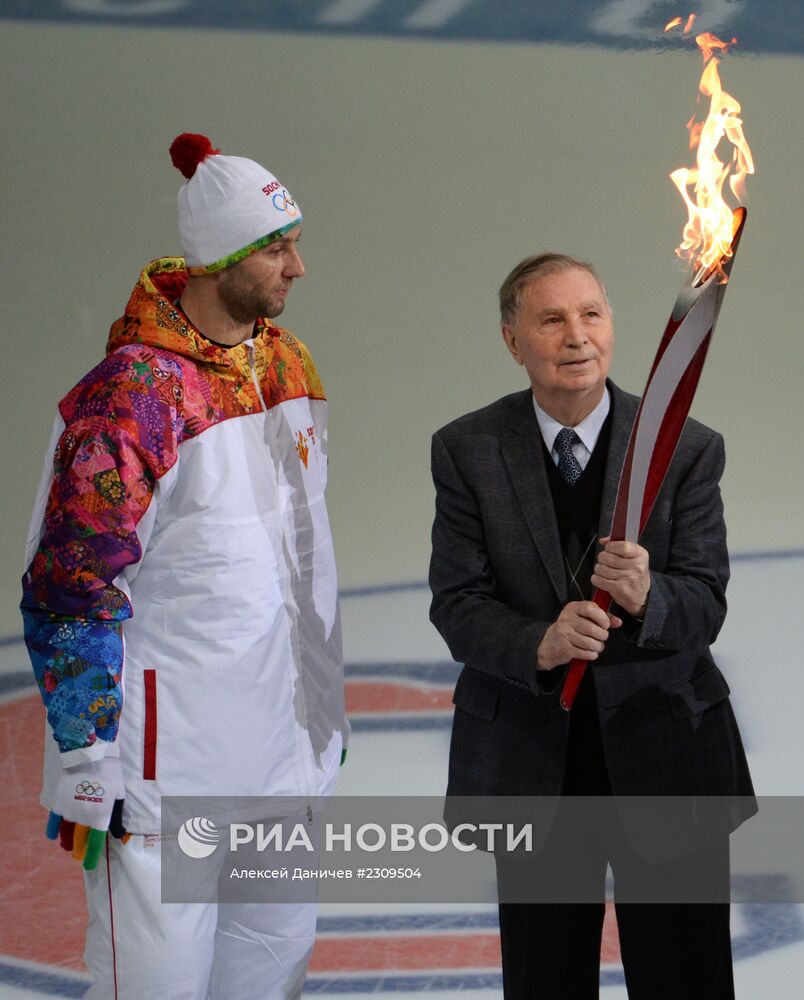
711, 238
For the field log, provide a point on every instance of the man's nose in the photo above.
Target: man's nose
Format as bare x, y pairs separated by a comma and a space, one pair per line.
294, 268
574, 331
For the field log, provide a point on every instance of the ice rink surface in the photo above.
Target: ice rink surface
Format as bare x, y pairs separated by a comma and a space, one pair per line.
399, 684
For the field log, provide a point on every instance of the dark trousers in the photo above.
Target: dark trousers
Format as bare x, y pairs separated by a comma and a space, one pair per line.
670, 951
551, 951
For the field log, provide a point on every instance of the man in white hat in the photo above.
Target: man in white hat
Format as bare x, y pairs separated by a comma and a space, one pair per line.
180, 550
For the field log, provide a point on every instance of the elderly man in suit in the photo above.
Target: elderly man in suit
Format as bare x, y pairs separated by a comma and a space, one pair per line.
525, 492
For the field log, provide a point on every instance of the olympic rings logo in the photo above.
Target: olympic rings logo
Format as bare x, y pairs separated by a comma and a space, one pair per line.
284, 203
88, 788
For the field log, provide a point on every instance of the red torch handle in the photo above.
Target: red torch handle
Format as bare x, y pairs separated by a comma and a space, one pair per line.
577, 668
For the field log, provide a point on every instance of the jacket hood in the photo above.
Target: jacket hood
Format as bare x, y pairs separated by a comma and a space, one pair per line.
152, 318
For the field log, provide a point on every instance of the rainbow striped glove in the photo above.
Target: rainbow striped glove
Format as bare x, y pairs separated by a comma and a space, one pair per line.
86, 803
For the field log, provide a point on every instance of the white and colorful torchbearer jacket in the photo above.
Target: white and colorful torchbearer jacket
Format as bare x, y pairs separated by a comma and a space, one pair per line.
180, 597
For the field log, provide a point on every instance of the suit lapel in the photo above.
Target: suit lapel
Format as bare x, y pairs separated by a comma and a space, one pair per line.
524, 458
623, 412
523, 455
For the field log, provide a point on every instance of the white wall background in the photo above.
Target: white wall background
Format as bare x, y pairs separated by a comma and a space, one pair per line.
425, 170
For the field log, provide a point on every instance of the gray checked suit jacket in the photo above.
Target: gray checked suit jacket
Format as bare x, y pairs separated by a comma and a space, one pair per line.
498, 582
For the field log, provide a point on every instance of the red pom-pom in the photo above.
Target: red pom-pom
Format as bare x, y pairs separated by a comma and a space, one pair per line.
188, 150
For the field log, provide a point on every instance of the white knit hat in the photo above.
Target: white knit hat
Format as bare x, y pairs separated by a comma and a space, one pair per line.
229, 207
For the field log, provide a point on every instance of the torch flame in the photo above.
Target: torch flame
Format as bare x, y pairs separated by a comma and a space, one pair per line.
711, 222
678, 20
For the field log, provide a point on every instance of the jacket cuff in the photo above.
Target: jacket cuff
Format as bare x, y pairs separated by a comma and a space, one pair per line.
528, 673
648, 634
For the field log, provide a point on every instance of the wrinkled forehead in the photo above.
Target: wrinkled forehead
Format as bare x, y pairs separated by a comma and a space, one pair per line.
563, 286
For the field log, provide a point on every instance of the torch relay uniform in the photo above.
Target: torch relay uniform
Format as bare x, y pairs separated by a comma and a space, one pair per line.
181, 614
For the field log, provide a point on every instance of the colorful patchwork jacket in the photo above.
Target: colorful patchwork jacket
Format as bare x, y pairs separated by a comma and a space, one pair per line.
180, 600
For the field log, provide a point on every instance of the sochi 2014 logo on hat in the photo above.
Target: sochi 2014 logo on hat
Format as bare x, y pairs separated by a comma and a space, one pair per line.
198, 837
280, 198
284, 203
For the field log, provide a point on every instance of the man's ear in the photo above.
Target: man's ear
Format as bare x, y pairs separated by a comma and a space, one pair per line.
510, 342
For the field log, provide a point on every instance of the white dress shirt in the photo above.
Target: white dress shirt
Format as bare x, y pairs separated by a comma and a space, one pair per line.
588, 430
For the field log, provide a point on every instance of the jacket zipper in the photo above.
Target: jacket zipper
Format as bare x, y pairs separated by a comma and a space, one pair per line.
249, 345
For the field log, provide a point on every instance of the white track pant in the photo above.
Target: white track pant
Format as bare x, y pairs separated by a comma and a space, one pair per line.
139, 948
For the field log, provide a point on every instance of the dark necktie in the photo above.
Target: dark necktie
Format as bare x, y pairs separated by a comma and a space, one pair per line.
568, 464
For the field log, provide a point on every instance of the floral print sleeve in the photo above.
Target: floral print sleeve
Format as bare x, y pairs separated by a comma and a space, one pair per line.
119, 437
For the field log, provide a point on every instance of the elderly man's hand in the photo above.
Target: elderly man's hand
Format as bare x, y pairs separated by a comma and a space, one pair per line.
623, 570
579, 633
